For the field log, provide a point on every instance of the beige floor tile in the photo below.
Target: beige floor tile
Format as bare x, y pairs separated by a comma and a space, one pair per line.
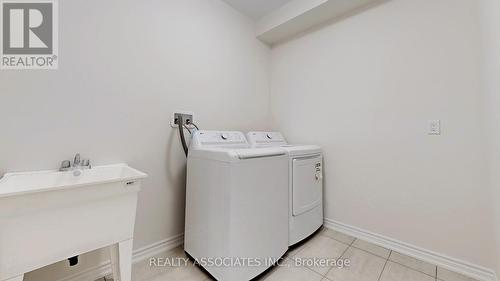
290, 272
344, 238
321, 247
266, 274
413, 263
297, 248
372, 248
271, 270
397, 272
363, 267
301, 246
447, 275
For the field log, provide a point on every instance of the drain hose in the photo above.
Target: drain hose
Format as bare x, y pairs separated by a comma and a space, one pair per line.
180, 123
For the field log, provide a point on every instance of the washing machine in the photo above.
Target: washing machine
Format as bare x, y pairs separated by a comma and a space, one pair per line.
236, 223
305, 174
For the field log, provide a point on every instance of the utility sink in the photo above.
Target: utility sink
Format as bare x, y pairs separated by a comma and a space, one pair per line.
13, 184
49, 216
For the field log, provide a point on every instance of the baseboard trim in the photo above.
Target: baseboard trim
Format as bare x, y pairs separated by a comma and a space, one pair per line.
139, 255
158, 247
474, 271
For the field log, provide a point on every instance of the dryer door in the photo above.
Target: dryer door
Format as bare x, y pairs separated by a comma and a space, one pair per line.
307, 183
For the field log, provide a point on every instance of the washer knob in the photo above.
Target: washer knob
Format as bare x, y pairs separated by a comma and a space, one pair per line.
269, 136
223, 136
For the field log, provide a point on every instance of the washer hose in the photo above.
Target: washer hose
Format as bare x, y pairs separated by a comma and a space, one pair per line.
180, 123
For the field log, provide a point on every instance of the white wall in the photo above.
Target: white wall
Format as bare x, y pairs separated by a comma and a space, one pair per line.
124, 67
363, 89
490, 27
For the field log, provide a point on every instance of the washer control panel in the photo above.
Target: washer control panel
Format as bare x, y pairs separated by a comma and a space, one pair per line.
263, 139
219, 139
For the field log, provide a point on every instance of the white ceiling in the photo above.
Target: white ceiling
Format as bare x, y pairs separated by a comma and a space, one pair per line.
256, 8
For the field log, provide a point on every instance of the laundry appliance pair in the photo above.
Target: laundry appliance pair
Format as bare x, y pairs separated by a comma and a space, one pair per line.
248, 199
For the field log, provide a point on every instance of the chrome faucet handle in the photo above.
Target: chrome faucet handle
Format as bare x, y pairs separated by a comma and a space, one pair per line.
85, 163
77, 161
65, 165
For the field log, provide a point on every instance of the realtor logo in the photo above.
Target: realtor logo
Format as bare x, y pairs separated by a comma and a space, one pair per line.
29, 34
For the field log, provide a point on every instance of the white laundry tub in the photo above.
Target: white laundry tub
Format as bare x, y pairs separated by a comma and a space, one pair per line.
50, 216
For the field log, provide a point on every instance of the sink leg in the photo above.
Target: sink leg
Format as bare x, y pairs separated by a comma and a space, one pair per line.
121, 260
17, 278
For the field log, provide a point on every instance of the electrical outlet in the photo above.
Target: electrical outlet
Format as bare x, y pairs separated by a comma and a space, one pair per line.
434, 127
187, 117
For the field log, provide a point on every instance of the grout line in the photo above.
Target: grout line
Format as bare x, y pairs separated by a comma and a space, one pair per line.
326, 278
404, 265
436, 273
355, 239
383, 269
314, 272
435, 277
342, 255
366, 251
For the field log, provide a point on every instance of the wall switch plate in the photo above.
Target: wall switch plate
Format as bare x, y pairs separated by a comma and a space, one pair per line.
187, 117
434, 127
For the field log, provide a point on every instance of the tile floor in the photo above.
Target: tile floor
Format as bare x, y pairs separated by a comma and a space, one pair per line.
368, 262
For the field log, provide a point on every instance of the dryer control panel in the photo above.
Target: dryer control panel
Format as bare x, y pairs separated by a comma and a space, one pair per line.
220, 139
266, 139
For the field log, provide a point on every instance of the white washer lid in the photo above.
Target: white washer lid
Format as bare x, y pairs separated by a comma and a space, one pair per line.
276, 139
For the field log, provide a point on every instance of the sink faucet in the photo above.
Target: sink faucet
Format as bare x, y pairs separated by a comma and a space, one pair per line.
78, 163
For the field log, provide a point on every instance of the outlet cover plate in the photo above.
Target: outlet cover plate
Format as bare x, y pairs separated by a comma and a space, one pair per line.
434, 127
